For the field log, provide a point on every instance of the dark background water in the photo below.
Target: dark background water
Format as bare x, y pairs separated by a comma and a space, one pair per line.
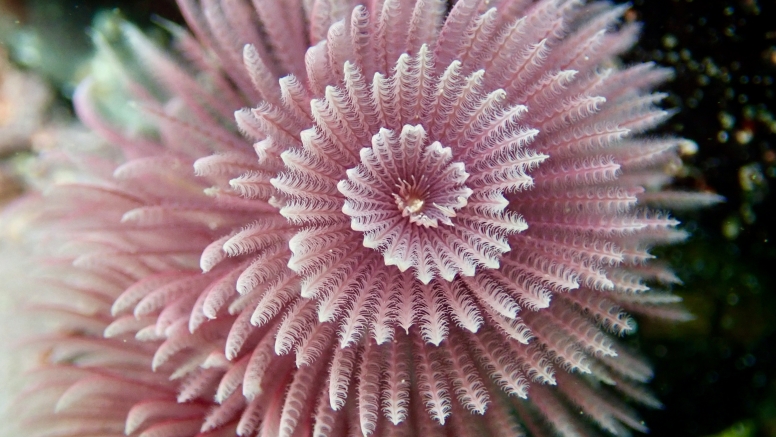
717, 373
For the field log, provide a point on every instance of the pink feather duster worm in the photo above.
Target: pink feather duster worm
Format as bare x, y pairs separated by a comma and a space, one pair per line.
420, 220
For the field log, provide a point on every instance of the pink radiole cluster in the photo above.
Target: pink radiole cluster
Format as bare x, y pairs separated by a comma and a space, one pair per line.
424, 221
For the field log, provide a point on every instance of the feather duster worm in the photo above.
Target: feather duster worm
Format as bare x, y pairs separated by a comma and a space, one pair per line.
435, 227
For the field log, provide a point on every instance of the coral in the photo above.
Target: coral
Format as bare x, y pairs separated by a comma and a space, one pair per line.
437, 230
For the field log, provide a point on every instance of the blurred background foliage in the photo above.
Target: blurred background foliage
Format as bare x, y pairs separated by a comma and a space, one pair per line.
717, 373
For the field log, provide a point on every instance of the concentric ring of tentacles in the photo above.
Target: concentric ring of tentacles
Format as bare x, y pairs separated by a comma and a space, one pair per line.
404, 196
385, 278
356, 185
